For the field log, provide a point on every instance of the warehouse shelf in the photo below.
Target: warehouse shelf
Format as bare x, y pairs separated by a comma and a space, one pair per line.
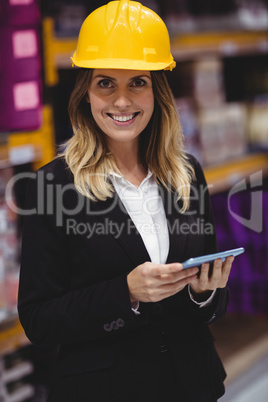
12, 337
24, 393
57, 52
31, 146
224, 44
223, 176
22, 369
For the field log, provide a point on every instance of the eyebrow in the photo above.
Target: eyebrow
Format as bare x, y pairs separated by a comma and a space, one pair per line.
114, 79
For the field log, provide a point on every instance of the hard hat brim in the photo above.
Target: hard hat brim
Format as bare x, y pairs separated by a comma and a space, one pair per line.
123, 64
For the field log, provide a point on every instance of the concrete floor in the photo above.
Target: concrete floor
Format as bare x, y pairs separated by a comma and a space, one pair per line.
242, 343
251, 386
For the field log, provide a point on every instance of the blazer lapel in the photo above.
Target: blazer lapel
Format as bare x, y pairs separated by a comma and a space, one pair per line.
115, 219
175, 219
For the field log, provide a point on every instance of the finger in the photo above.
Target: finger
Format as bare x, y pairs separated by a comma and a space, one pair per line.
165, 269
204, 276
173, 288
226, 269
217, 271
178, 276
227, 265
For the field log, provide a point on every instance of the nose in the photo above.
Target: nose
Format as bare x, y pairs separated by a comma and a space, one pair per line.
122, 99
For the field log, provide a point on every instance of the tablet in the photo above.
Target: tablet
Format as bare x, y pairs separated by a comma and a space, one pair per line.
195, 262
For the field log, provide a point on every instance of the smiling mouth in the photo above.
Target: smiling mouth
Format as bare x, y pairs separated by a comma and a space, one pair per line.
123, 119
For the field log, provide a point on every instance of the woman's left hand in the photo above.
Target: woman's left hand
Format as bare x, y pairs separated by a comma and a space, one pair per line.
218, 279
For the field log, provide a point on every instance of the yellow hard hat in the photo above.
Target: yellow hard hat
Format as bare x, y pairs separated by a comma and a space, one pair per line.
124, 35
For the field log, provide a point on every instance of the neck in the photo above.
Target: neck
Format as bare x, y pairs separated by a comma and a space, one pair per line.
129, 162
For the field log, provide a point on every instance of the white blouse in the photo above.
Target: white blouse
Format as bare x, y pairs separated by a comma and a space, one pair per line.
145, 207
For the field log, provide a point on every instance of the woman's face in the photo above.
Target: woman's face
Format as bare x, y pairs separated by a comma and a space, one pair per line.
122, 103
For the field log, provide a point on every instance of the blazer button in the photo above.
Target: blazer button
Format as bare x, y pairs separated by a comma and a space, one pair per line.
114, 325
120, 322
107, 327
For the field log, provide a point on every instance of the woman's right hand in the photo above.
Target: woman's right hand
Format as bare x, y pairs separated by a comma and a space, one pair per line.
150, 282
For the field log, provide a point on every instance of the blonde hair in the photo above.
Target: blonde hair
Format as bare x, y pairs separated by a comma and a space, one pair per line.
161, 144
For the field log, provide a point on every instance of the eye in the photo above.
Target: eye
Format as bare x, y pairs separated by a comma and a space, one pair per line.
105, 83
138, 83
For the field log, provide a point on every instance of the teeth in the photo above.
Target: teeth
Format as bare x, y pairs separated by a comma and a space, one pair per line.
123, 118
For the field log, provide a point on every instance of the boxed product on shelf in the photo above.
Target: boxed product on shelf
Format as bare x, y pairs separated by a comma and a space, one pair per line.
9, 245
20, 12
253, 14
15, 378
20, 79
20, 72
235, 128
69, 19
222, 132
20, 54
188, 119
202, 80
21, 108
3, 301
208, 82
258, 122
234, 219
9, 266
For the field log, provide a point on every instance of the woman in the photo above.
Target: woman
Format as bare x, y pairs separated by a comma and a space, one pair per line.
109, 223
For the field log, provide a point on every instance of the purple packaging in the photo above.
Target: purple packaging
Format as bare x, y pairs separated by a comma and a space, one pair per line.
20, 79
265, 219
21, 105
20, 12
20, 54
248, 280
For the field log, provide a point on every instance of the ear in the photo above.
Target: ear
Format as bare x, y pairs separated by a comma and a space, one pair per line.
87, 98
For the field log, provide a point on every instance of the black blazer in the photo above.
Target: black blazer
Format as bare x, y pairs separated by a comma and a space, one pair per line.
73, 292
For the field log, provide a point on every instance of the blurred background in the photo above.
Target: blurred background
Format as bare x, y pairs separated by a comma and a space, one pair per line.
220, 86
